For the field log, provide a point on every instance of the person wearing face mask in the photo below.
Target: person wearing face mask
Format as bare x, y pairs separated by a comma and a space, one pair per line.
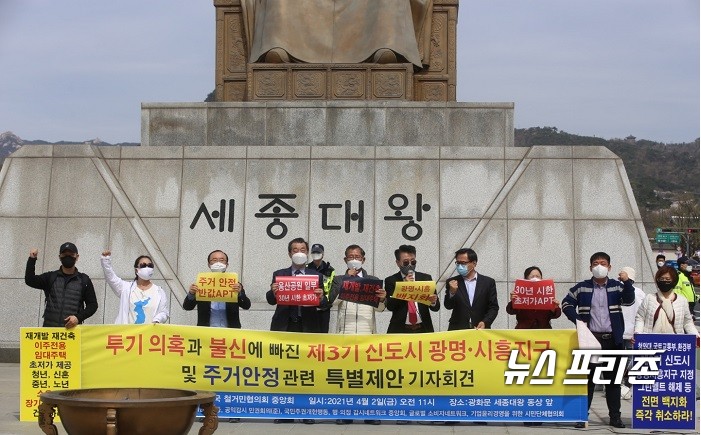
408, 317
355, 318
683, 286
471, 296
293, 318
69, 294
597, 302
533, 319
660, 259
217, 314
324, 268
665, 312
140, 300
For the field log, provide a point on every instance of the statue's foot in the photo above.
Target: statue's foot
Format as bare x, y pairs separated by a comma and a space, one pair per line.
277, 55
384, 55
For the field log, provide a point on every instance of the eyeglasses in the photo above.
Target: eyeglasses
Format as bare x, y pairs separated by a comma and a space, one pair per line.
407, 262
665, 281
142, 265
463, 263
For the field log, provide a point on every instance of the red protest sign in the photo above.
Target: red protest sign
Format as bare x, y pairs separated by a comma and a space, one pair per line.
360, 290
534, 295
297, 290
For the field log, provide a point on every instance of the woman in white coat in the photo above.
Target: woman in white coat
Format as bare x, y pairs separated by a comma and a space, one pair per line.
140, 300
665, 312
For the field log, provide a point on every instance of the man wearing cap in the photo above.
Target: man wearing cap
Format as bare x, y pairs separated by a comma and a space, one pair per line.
70, 295
328, 272
684, 286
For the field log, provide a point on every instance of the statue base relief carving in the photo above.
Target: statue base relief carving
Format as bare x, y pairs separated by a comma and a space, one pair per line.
309, 81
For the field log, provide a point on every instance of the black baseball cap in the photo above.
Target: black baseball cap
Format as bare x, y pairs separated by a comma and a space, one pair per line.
68, 246
317, 247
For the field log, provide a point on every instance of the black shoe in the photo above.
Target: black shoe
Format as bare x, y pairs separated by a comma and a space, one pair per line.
616, 422
372, 422
308, 421
580, 425
402, 422
283, 420
342, 421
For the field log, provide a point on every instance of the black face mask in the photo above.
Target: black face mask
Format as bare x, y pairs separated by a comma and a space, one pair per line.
408, 269
665, 286
68, 261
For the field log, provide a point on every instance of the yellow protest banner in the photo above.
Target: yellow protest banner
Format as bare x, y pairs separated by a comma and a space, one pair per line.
417, 291
216, 286
454, 375
49, 361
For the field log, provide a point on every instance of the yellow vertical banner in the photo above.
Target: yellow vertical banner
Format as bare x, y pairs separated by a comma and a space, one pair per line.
49, 361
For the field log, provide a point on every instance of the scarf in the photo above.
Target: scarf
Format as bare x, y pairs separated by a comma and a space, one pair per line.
664, 324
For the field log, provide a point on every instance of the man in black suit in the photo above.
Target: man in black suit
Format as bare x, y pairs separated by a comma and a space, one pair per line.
471, 296
407, 316
221, 314
293, 318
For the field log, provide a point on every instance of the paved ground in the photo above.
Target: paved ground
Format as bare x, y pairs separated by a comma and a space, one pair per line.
598, 421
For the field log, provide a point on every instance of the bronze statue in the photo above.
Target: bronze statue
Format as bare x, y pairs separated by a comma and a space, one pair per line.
338, 31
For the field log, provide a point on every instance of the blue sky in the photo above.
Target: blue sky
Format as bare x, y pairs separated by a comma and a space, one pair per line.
608, 68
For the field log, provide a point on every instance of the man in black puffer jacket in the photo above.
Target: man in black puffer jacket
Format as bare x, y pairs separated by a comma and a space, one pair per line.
70, 295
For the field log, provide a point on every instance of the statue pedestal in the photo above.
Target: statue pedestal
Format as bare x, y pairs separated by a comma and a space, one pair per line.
328, 123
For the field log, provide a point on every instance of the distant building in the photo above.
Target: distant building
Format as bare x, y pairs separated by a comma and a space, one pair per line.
630, 139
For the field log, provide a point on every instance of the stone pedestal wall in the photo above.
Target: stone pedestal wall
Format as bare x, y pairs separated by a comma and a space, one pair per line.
248, 178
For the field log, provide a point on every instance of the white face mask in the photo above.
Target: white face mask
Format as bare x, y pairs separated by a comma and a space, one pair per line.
660, 263
145, 273
299, 258
689, 268
317, 256
600, 271
354, 264
217, 267
535, 278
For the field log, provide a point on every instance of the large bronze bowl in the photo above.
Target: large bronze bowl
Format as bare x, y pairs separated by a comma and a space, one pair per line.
127, 411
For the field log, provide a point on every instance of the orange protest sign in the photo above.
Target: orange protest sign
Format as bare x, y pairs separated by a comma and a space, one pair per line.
216, 286
534, 295
417, 291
